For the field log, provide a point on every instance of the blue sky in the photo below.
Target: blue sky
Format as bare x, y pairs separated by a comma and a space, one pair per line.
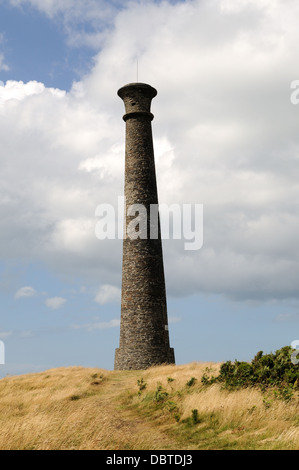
35, 48
225, 136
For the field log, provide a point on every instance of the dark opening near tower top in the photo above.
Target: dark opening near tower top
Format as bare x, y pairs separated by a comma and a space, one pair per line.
144, 336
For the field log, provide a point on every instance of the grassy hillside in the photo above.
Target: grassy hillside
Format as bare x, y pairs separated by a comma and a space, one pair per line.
166, 407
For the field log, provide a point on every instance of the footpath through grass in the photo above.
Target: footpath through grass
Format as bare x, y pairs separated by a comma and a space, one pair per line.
188, 407
229, 406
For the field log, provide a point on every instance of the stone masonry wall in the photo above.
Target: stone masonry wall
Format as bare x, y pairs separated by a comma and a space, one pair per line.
144, 337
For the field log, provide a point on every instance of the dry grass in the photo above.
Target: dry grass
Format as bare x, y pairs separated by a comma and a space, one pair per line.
79, 408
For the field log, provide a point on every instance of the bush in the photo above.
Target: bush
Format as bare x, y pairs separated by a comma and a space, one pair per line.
274, 369
160, 394
195, 417
141, 384
191, 382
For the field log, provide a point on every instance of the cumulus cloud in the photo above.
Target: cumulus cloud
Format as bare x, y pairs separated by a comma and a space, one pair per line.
19, 91
47, 198
55, 302
25, 292
107, 294
226, 136
223, 77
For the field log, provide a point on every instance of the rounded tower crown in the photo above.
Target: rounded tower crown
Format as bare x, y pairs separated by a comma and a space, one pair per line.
137, 98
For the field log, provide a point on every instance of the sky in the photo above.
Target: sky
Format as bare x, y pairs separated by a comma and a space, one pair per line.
225, 136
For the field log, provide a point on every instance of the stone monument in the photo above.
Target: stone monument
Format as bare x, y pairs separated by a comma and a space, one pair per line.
144, 336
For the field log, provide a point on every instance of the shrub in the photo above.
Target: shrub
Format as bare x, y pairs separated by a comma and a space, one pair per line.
170, 379
274, 369
141, 384
75, 397
160, 394
195, 417
191, 382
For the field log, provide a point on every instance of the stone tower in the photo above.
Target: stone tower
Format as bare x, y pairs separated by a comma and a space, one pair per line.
144, 337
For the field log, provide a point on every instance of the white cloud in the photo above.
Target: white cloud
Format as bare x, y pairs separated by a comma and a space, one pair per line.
3, 65
97, 325
230, 130
25, 292
172, 319
226, 135
19, 91
55, 302
107, 294
5, 334
47, 202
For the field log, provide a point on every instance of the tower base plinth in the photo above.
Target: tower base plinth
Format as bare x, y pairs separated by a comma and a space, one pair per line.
140, 359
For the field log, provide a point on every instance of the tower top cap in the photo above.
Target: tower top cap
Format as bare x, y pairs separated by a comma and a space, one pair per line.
137, 98
133, 89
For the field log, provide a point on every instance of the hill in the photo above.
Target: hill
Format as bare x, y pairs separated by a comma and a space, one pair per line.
162, 408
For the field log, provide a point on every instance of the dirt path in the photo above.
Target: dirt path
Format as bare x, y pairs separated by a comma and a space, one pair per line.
76, 408
123, 428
